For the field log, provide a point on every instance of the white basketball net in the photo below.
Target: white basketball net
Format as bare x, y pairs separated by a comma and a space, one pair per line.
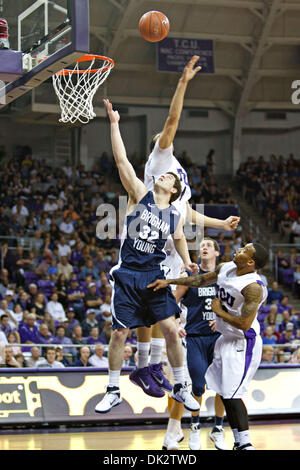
76, 89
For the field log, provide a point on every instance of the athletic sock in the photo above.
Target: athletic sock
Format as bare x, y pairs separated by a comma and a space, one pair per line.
244, 437
143, 355
174, 426
195, 419
157, 345
114, 378
178, 373
218, 422
236, 436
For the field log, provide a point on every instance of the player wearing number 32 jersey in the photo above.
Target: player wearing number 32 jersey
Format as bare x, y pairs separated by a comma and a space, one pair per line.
151, 218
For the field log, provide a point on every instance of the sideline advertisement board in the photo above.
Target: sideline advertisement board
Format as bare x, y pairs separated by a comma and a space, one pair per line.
70, 395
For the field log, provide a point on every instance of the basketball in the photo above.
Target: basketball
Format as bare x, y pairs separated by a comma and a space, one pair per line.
154, 26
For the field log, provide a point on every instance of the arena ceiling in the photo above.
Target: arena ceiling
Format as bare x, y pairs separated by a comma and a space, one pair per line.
256, 44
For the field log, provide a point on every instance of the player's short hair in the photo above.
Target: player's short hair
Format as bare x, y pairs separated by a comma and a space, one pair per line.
177, 185
260, 257
216, 244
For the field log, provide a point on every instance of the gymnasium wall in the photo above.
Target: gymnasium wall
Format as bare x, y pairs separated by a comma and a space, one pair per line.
196, 135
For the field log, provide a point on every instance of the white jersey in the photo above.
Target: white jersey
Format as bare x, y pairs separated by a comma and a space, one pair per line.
161, 161
237, 353
230, 288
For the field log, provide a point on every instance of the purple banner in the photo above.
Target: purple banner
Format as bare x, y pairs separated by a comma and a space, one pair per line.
174, 53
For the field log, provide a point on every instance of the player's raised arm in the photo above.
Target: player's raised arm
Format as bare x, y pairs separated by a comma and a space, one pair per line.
182, 248
131, 183
253, 295
167, 135
231, 223
200, 280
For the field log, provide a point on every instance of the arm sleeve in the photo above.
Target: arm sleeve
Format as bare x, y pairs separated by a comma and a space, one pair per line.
160, 160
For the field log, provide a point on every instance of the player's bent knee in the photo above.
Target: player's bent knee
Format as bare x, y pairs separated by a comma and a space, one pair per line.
120, 335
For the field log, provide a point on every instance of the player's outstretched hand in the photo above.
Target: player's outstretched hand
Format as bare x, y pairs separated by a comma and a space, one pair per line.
192, 268
158, 284
231, 223
113, 115
189, 71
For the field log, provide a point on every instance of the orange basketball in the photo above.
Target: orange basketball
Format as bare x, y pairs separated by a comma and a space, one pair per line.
154, 26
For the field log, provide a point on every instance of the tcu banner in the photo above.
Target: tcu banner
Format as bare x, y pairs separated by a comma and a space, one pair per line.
174, 53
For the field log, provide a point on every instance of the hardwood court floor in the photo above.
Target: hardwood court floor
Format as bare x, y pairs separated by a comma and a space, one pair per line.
264, 437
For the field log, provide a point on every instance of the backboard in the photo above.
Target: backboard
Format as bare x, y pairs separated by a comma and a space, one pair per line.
50, 35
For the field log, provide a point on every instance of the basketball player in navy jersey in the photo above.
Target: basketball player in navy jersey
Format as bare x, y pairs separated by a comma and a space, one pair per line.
151, 218
238, 350
162, 160
200, 343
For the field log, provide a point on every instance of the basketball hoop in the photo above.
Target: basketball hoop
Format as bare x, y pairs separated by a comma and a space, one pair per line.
77, 87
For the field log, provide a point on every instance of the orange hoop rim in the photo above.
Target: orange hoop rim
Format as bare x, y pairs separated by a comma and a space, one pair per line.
87, 58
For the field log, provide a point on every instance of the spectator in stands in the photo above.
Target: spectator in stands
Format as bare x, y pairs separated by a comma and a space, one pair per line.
128, 356
50, 360
20, 358
47, 320
268, 355
272, 320
65, 268
56, 309
83, 361
28, 330
39, 306
77, 337
94, 337
269, 337
97, 359
105, 309
18, 313
274, 295
89, 268
4, 325
286, 320
72, 321
12, 339
93, 299
10, 360
295, 358
295, 230
60, 357
34, 358
76, 298
62, 339
11, 322
32, 292
44, 336
67, 226
106, 332
61, 289
4, 281
63, 248
296, 286
90, 322
284, 304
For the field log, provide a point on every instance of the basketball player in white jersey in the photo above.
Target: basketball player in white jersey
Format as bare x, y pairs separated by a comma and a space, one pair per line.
238, 350
161, 160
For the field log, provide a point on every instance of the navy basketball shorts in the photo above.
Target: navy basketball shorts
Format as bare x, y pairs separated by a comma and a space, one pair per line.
133, 305
200, 353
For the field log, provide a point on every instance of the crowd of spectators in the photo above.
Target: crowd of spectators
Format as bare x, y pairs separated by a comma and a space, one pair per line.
54, 281
280, 328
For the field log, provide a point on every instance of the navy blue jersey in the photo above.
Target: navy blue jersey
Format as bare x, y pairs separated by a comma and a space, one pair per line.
145, 234
199, 312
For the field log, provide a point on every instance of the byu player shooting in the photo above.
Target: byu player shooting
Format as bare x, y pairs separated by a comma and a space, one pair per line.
238, 350
151, 218
162, 160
